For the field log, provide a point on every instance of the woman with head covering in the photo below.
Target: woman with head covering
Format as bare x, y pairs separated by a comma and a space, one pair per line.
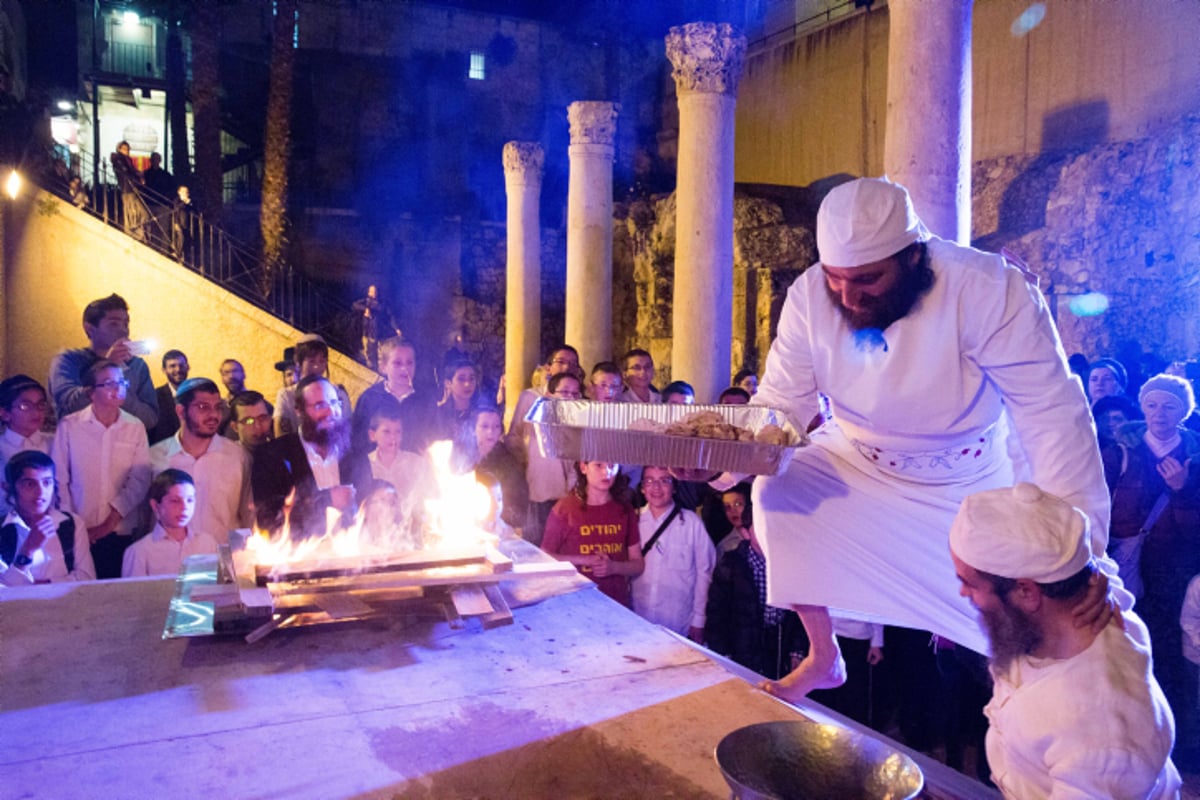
1156, 528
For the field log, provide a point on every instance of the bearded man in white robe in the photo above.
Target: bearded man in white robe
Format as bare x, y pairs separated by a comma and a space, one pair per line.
945, 376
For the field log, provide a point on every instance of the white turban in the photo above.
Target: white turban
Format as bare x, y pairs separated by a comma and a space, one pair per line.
1021, 532
864, 221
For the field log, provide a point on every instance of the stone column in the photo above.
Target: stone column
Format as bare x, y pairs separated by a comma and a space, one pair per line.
927, 141
523, 162
707, 63
589, 230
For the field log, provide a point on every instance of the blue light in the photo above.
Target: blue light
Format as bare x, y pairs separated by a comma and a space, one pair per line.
1092, 304
1030, 18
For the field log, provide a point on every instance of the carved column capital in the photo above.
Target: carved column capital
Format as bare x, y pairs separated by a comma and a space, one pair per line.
593, 122
524, 161
706, 57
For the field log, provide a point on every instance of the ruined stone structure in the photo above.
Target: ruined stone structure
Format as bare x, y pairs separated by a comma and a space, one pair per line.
589, 230
707, 63
523, 164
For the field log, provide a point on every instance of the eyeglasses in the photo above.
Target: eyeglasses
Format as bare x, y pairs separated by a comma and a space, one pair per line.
658, 481
205, 408
27, 406
562, 361
264, 418
119, 383
321, 405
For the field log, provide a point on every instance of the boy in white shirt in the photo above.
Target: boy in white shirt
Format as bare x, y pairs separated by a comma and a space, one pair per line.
408, 473
173, 501
103, 462
39, 543
23, 409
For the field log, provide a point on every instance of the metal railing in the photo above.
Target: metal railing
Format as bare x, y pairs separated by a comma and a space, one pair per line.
176, 230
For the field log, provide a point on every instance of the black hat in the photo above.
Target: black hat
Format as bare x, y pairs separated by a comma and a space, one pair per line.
289, 360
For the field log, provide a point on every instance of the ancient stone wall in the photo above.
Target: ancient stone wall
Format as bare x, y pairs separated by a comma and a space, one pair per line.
1121, 220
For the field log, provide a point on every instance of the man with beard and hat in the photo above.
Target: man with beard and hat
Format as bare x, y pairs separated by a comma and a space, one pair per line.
218, 467
1074, 712
945, 375
297, 475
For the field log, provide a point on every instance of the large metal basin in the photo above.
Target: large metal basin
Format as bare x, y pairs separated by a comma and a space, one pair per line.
805, 760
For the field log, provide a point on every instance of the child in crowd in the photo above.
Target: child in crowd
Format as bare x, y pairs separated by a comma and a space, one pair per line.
173, 501
596, 529
39, 543
461, 388
480, 446
103, 464
23, 409
408, 473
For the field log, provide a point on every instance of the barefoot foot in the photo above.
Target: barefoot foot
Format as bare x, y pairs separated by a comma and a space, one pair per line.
808, 676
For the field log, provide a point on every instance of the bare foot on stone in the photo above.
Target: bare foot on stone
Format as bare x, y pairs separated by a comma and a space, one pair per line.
807, 677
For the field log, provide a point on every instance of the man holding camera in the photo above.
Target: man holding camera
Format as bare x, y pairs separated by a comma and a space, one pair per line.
106, 323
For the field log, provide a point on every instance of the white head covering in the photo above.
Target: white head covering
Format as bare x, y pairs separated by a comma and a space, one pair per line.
1021, 532
864, 221
1175, 386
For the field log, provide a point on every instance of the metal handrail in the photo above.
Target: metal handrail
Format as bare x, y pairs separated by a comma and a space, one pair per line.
181, 233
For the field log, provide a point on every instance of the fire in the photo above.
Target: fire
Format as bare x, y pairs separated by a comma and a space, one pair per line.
449, 514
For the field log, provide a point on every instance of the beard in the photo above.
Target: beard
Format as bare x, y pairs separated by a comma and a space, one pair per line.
1012, 634
331, 435
879, 312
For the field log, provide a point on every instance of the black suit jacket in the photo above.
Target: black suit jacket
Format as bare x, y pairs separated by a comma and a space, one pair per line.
168, 420
281, 465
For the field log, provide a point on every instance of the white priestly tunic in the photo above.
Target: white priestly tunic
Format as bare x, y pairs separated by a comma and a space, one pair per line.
672, 591
1090, 726
222, 477
859, 522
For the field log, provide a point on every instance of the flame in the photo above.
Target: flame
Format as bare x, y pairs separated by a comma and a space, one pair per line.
445, 513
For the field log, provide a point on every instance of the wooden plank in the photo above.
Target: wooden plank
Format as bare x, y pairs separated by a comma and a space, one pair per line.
470, 601
498, 561
355, 567
502, 614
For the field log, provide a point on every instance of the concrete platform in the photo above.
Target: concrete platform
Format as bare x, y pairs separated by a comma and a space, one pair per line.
579, 698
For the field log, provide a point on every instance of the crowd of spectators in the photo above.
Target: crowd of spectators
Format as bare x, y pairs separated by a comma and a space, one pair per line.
107, 476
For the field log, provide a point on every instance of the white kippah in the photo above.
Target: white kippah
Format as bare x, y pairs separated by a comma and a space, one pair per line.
1021, 532
866, 220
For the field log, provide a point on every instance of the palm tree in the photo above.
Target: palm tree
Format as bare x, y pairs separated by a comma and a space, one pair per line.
277, 144
206, 112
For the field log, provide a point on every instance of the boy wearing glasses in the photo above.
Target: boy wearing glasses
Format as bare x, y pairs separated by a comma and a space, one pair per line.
39, 543
679, 556
104, 466
23, 410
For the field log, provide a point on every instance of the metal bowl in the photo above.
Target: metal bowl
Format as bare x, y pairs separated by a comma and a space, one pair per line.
805, 760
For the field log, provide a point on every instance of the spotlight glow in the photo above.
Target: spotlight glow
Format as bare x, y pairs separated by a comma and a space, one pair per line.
1092, 304
130, 18
65, 105
1030, 18
12, 186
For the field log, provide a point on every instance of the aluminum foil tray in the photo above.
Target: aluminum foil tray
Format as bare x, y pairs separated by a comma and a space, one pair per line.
580, 430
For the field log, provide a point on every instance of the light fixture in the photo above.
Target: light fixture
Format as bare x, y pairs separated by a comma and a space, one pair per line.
12, 186
130, 18
65, 105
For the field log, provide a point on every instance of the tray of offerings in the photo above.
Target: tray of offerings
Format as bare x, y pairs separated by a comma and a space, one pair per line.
756, 440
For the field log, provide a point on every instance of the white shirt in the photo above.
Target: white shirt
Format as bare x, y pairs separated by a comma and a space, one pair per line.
1093, 725
1189, 618
49, 562
983, 337
159, 554
12, 443
672, 591
409, 473
222, 477
325, 470
628, 396
100, 467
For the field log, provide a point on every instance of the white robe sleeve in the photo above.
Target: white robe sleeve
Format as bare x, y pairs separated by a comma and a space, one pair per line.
1012, 338
788, 382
